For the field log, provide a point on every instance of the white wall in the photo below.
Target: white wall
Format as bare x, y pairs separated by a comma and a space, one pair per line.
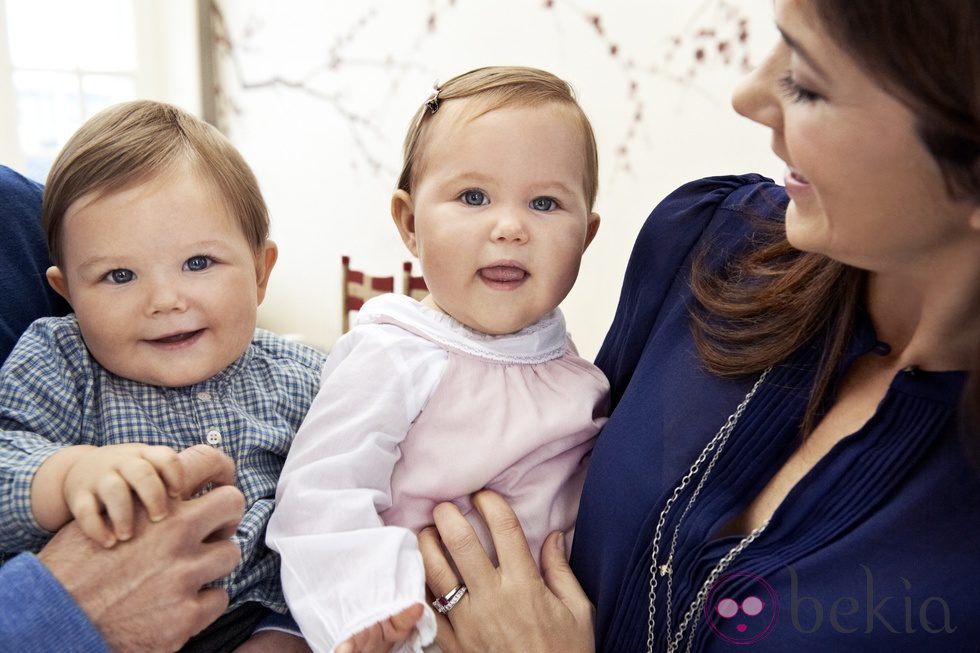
317, 95
169, 52
9, 150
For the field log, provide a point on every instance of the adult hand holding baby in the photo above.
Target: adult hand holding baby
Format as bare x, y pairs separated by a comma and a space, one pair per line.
509, 606
146, 594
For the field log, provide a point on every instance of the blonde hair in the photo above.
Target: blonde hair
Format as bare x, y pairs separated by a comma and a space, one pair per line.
493, 88
133, 142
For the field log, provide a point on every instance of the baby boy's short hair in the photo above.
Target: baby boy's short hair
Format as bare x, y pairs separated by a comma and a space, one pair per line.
134, 142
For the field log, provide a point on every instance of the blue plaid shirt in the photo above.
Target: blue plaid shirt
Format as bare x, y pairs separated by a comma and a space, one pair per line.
54, 394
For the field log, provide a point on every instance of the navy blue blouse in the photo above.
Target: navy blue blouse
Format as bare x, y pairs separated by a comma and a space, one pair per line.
877, 548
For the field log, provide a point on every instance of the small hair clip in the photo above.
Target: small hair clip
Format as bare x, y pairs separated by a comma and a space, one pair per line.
432, 102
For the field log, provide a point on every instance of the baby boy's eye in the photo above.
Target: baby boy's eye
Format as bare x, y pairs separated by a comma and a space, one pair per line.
474, 198
543, 204
120, 276
197, 263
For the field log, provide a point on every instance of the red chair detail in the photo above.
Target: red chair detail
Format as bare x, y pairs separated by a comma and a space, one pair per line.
412, 286
357, 288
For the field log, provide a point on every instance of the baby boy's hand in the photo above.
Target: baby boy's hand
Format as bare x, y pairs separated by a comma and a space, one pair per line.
380, 637
104, 480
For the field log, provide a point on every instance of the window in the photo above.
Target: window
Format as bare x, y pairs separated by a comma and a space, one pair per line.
61, 61
60, 74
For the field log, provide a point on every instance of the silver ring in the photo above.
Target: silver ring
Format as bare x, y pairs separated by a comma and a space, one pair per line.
448, 601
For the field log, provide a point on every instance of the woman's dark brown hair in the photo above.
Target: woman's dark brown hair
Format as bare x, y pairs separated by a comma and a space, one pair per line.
765, 305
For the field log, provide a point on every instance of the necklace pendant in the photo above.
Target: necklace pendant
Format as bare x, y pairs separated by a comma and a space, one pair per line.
665, 569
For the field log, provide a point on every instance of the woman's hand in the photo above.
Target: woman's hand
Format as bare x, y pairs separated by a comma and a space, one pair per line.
510, 607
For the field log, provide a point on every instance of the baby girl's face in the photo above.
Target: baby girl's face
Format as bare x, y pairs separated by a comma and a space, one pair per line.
498, 217
162, 279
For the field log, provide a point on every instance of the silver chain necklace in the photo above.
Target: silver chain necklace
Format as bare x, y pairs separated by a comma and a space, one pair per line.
714, 449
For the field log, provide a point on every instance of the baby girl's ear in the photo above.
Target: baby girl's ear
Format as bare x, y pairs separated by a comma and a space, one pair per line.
403, 213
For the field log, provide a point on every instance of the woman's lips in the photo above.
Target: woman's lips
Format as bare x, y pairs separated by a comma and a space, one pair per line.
795, 183
796, 176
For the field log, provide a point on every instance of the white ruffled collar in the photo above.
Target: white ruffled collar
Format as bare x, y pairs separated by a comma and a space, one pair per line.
542, 341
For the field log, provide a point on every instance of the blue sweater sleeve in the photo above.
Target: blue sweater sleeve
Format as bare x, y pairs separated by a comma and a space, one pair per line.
664, 247
37, 615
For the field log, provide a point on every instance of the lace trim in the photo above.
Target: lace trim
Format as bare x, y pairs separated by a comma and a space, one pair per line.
480, 352
432, 325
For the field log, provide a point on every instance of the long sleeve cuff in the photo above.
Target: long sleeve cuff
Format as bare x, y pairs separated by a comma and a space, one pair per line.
38, 615
21, 531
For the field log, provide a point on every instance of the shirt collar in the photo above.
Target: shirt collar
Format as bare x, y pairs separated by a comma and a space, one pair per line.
542, 341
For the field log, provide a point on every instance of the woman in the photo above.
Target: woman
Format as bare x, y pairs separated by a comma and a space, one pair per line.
783, 466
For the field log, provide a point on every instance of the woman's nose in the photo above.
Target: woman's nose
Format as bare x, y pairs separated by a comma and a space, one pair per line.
756, 96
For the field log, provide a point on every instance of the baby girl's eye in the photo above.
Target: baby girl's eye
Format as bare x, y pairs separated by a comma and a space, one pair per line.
543, 204
120, 276
474, 198
197, 263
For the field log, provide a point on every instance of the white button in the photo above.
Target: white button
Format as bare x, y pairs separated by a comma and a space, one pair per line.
204, 396
214, 437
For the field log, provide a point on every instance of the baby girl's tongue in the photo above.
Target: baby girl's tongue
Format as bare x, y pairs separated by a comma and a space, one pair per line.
503, 273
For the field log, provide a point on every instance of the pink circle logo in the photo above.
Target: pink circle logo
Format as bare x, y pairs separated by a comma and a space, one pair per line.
741, 608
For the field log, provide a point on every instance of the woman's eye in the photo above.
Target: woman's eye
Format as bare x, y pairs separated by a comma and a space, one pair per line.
795, 92
543, 204
474, 198
197, 263
120, 276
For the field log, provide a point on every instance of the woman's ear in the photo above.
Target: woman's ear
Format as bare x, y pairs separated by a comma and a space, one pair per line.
57, 280
403, 213
264, 262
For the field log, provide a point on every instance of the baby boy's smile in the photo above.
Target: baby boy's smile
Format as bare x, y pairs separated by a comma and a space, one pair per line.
178, 340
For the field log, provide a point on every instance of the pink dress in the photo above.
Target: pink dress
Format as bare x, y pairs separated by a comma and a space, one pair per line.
415, 409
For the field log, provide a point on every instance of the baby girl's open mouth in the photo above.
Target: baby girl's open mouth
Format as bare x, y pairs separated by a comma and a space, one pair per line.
503, 275
178, 339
